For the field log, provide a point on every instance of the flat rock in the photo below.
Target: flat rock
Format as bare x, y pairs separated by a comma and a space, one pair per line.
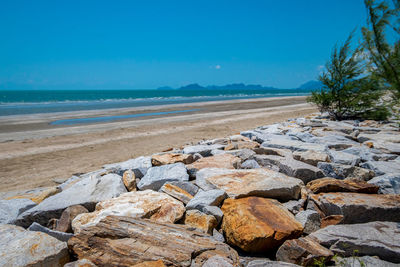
341, 171
225, 161
344, 158
171, 158
176, 192
19, 247
388, 184
204, 150
326, 185
10, 209
200, 220
243, 154
86, 192
138, 165
255, 182
127, 241
64, 237
371, 239
64, 224
187, 186
293, 145
311, 157
38, 195
156, 177
206, 198
303, 251
310, 220
359, 208
257, 224
383, 167
148, 204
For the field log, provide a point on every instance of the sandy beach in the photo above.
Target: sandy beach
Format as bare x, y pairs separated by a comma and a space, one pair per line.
33, 152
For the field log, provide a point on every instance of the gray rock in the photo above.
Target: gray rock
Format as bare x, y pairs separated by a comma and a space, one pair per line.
261, 136
310, 219
337, 142
243, 154
291, 167
218, 261
383, 167
366, 261
214, 211
301, 136
206, 198
86, 192
64, 237
204, 150
10, 209
368, 154
388, 184
156, 177
250, 164
340, 171
359, 208
80, 263
138, 165
19, 247
294, 206
218, 236
371, 239
269, 263
187, 186
203, 174
294, 145
344, 158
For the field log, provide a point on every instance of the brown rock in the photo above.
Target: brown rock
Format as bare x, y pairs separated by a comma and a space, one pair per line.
170, 158
200, 220
303, 251
326, 185
331, 220
258, 224
129, 180
147, 204
176, 192
158, 263
124, 241
226, 161
80, 263
311, 157
241, 145
39, 195
68, 215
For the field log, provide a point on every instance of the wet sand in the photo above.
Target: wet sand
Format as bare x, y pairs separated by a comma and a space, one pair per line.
33, 152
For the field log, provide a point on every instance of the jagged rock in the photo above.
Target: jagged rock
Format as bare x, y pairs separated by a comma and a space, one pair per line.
149, 204
225, 161
19, 247
243, 154
176, 192
293, 145
386, 147
129, 180
214, 211
273, 151
87, 192
257, 224
337, 142
187, 186
326, 185
171, 158
344, 158
383, 167
311, 157
331, 220
158, 263
64, 237
294, 206
386, 136
250, 164
291, 167
340, 171
200, 220
38, 195
218, 261
388, 184
310, 220
156, 177
127, 241
303, 251
366, 261
206, 198
368, 154
10, 209
204, 150
372, 239
68, 215
138, 165
80, 263
359, 208
218, 236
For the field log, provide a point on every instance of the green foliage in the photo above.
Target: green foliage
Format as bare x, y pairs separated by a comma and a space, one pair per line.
348, 93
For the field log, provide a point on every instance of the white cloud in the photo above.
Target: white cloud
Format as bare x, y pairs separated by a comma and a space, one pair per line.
218, 67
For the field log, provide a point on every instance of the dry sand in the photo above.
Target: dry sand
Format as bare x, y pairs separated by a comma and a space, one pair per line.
33, 153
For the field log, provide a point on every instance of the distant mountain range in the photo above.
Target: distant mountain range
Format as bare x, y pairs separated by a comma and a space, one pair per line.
311, 85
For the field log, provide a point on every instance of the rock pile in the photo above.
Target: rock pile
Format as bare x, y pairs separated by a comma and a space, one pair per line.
305, 192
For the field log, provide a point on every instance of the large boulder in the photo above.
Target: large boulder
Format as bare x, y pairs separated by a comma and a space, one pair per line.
156, 177
359, 208
124, 241
374, 239
10, 209
303, 251
326, 185
19, 247
171, 158
138, 165
253, 182
257, 224
87, 192
225, 161
388, 184
149, 204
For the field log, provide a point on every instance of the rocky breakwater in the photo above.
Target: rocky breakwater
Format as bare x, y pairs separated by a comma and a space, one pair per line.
303, 192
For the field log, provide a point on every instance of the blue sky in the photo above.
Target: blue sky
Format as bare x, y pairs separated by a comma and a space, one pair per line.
147, 44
